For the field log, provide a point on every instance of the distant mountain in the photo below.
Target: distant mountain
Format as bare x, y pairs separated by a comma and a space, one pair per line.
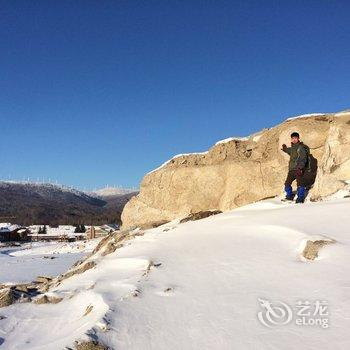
112, 191
30, 203
115, 197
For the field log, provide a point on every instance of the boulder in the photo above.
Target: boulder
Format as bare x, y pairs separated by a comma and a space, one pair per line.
237, 172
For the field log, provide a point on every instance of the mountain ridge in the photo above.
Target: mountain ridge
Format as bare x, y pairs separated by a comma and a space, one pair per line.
44, 203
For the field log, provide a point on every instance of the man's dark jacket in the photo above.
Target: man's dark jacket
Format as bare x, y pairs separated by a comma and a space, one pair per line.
298, 156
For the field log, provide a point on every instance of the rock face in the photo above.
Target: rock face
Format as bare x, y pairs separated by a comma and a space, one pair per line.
236, 172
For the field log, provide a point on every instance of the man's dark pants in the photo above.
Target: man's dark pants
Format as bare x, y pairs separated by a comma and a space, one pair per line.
301, 180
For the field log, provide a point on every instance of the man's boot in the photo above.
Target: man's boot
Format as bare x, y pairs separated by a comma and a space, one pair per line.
301, 194
289, 192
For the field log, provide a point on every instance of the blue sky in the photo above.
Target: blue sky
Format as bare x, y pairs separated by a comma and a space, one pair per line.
101, 92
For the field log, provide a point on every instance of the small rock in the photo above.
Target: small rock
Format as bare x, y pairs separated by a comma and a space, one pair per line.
22, 288
43, 279
200, 215
90, 345
136, 293
88, 310
6, 297
46, 299
312, 248
79, 269
154, 224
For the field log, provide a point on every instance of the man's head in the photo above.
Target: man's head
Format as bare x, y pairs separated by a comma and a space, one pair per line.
295, 137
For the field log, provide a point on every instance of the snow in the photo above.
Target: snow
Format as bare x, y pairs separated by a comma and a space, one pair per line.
24, 263
8, 227
208, 290
339, 114
257, 137
306, 116
232, 139
342, 113
67, 230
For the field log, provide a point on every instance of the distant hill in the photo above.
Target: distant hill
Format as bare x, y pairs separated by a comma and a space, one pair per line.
30, 203
112, 191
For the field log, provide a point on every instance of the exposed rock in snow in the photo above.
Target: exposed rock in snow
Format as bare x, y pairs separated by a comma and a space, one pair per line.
6, 297
312, 247
47, 299
90, 345
200, 215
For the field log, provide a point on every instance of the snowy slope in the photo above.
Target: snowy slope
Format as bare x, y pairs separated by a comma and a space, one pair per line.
205, 294
24, 263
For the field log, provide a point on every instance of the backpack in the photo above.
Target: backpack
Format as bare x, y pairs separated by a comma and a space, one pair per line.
308, 161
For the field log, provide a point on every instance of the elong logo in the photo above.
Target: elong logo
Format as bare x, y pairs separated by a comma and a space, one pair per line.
306, 314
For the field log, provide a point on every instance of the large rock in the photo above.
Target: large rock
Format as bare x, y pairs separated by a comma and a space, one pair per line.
236, 172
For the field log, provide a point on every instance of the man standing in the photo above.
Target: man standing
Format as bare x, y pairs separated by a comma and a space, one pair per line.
299, 159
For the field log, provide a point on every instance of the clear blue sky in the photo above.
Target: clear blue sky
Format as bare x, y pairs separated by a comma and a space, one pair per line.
101, 92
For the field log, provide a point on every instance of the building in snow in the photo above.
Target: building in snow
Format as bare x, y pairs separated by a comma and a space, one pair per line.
12, 232
99, 231
59, 233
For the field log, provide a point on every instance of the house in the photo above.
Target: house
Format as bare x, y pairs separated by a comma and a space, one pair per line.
12, 232
99, 231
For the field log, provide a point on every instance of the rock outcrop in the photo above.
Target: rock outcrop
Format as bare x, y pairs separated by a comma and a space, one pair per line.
312, 248
236, 172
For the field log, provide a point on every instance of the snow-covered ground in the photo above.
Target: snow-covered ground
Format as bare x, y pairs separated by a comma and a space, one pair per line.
24, 263
210, 282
